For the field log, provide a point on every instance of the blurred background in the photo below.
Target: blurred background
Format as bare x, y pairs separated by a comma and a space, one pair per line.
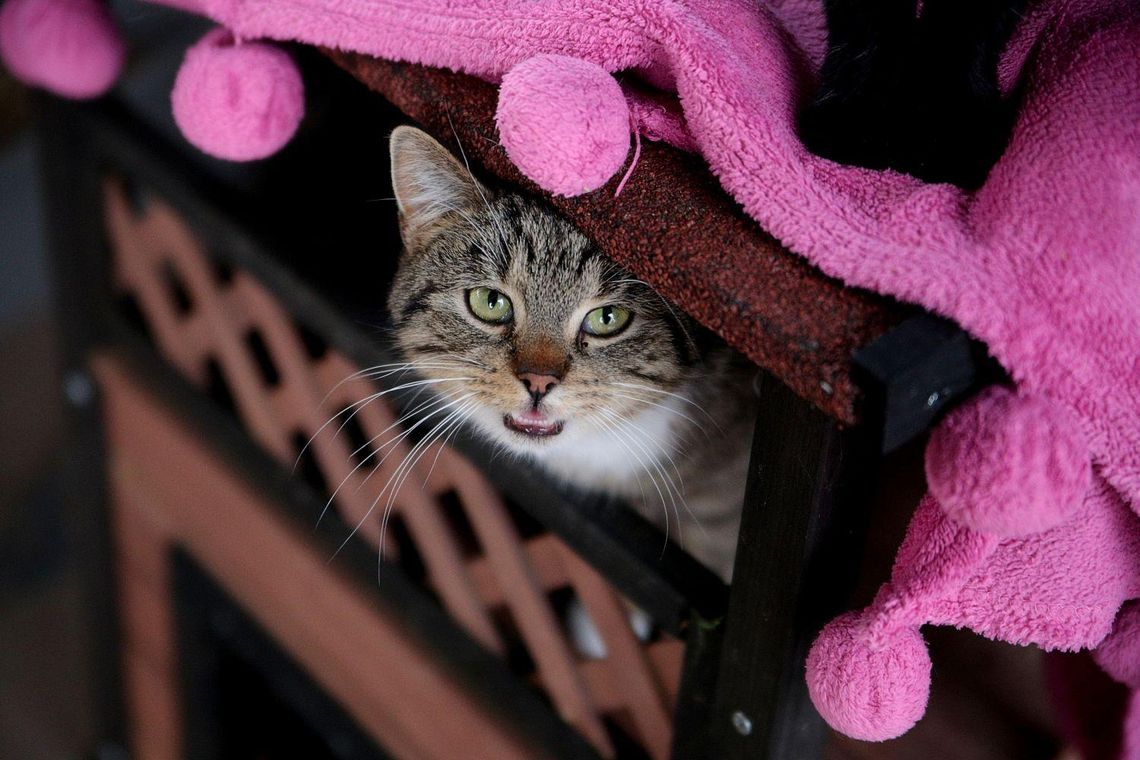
59, 671
46, 702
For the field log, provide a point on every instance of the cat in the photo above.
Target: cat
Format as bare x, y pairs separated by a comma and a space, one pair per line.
553, 352
911, 85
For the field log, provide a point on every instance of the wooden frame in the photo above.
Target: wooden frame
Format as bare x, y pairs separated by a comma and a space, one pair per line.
234, 674
382, 676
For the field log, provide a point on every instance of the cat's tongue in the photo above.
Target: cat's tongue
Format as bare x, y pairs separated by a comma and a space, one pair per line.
533, 422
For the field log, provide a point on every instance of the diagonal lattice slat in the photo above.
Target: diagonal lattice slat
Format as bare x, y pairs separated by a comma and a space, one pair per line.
233, 326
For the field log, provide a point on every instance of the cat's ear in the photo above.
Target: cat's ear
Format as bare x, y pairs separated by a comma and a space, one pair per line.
431, 185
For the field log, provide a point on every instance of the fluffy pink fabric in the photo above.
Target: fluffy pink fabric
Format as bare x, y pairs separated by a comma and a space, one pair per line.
70, 47
564, 122
237, 100
1042, 263
1007, 464
1059, 590
881, 684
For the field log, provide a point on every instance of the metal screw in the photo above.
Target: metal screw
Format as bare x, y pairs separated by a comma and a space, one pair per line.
932, 399
78, 388
742, 723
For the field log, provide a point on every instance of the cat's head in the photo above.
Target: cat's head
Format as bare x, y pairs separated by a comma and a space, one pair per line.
516, 318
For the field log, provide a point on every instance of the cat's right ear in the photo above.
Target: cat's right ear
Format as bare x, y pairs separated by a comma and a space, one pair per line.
432, 188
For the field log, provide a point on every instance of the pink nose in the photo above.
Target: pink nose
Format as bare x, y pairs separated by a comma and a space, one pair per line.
537, 385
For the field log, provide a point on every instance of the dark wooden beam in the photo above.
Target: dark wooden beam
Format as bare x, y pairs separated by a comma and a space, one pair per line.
797, 559
910, 375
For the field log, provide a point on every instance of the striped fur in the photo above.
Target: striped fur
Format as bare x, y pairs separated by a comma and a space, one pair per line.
659, 414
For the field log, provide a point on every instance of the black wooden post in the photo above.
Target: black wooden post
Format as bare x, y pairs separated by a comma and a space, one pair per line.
801, 539
797, 559
75, 244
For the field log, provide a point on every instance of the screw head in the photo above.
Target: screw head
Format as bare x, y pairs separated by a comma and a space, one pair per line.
742, 723
932, 399
78, 388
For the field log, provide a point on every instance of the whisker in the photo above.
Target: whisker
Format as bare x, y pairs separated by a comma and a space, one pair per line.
620, 426
635, 428
421, 407
475, 226
490, 212
381, 371
678, 396
632, 427
356, 406
468, 413
613, 431
680, 322
407, 466
389, 443
376, 501
669, 409
593, 417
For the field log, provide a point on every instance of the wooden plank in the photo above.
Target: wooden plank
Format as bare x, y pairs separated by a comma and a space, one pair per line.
543, 555
693, 716
155, 724
215, 635
915, 372
80, 285
146, 619
148, 241
625, 657
797, 558
363, 660
532, 613
666, 658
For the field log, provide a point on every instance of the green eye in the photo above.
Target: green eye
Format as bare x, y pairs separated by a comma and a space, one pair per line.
608, 320
489, 305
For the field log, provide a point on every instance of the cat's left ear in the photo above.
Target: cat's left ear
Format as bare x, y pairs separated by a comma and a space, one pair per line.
432, 188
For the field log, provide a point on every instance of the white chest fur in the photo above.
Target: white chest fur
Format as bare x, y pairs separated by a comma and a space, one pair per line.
615, 456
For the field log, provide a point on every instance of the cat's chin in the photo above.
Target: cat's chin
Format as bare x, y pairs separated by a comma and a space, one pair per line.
532, 424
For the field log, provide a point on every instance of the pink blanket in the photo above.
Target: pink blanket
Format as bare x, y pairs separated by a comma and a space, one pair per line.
1030, 533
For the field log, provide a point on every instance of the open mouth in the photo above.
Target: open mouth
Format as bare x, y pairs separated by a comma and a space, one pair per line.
534, 424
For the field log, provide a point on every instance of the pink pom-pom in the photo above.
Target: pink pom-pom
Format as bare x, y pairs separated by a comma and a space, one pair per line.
1119, 654
564, 122
69, 47
239, 101
868, 686
1008, 465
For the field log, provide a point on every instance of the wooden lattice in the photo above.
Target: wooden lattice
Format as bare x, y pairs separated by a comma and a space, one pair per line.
208, 325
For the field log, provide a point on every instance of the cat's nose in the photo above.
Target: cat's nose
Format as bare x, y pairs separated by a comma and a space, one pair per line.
537, 385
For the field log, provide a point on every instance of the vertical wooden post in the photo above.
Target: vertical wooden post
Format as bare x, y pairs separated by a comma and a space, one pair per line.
75, 245
796, 560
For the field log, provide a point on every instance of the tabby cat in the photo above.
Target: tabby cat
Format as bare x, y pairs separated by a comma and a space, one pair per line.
551, 351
